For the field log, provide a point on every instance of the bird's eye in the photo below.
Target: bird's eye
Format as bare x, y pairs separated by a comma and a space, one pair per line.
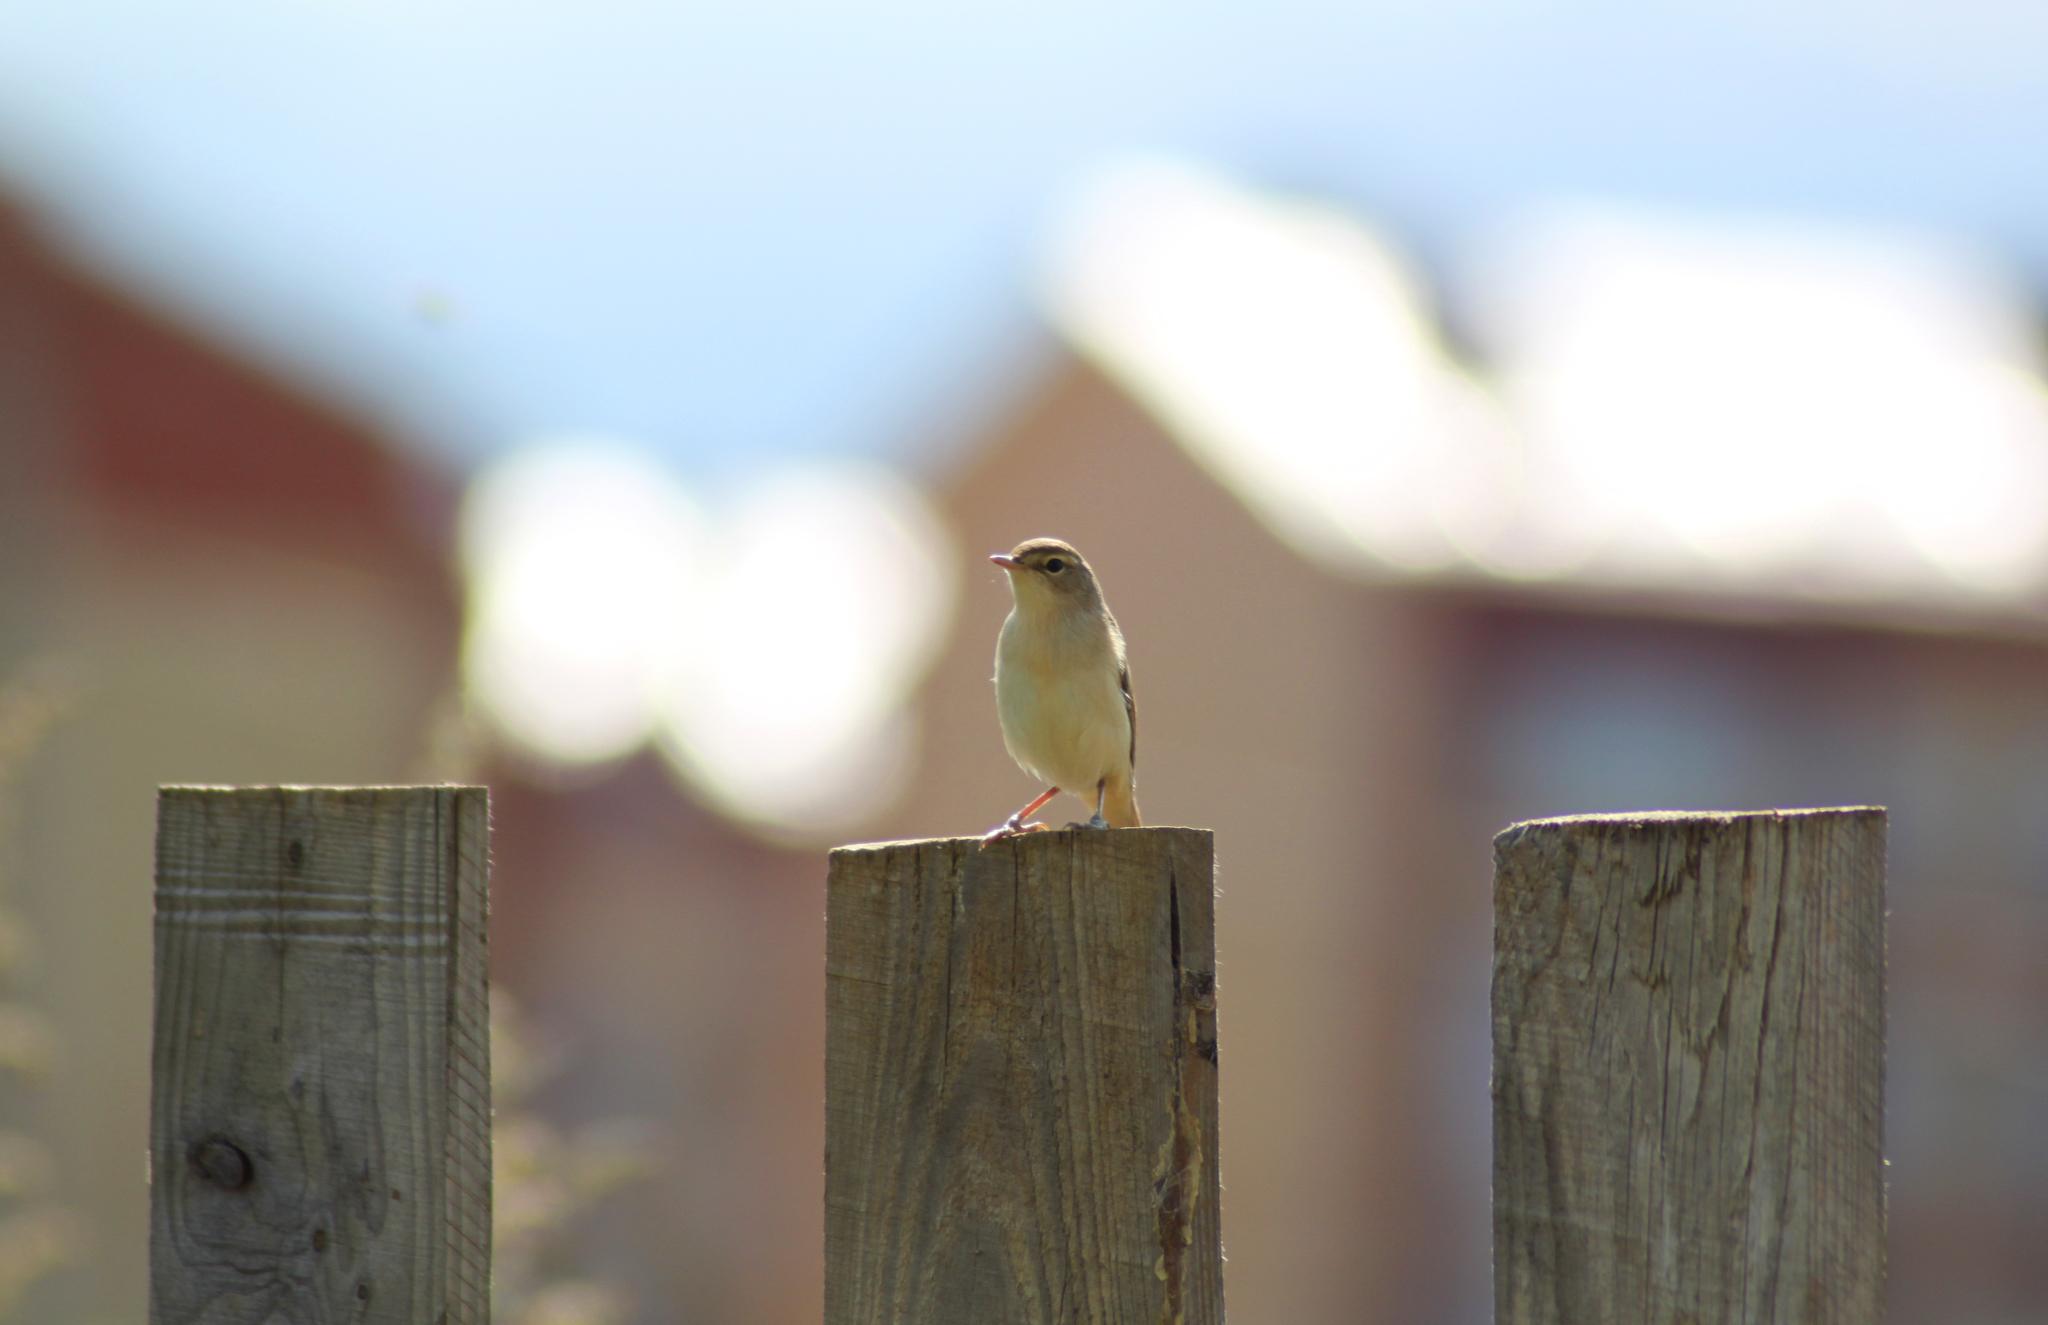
1053, 565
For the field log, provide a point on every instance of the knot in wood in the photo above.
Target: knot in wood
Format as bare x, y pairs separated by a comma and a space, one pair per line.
222, 1163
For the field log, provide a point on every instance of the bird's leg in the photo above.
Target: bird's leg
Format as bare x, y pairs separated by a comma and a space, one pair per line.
1015, 824
1101, 790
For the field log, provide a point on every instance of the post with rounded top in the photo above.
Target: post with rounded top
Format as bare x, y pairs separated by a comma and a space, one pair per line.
1688, 1069
1021, 1081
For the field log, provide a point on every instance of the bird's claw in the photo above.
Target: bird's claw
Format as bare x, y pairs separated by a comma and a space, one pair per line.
1012, 827
1097, 822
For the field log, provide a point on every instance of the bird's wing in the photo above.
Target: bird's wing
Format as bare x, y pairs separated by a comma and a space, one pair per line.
1123, 678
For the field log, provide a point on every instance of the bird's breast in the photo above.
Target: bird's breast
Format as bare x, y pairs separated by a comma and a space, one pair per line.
1060, 702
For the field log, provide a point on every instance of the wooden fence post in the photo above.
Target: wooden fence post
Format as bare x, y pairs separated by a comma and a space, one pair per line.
1688, 1069
1021, 1082
320, 1108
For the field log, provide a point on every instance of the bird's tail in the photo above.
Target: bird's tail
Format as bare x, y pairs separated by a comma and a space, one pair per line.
1120, 803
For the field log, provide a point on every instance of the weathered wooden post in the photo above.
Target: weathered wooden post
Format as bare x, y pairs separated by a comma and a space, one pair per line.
320, 1111
1021, 1082
1688, 1069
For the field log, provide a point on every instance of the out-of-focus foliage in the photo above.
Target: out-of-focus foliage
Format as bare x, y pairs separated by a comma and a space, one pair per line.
38, 1233
546, 1180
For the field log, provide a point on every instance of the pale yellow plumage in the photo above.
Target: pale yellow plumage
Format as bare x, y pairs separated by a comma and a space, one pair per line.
1063, 688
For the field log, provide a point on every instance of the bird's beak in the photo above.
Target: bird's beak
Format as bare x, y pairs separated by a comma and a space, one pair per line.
1005, 560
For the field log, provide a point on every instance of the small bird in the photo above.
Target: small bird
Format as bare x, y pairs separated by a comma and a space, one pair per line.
1063, 689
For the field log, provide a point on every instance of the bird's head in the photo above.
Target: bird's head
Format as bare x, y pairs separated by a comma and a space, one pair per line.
1048, 575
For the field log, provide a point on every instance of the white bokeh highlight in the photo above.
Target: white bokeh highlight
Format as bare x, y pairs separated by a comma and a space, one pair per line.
767, 650
583, 561
832, 595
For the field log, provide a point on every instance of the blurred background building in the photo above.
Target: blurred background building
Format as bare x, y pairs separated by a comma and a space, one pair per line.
206, 579
1475, 412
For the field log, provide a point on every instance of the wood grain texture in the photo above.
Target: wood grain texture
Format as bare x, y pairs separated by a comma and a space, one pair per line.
1688, 1069
1021, 1082
320, 1111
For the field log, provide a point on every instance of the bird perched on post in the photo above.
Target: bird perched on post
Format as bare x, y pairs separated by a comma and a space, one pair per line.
1063, 689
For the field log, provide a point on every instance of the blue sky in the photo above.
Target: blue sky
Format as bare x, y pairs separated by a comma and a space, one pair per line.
733, 232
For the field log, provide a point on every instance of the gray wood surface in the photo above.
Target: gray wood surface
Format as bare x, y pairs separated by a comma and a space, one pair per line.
1688, 1069
1021, 1082
320, 1111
